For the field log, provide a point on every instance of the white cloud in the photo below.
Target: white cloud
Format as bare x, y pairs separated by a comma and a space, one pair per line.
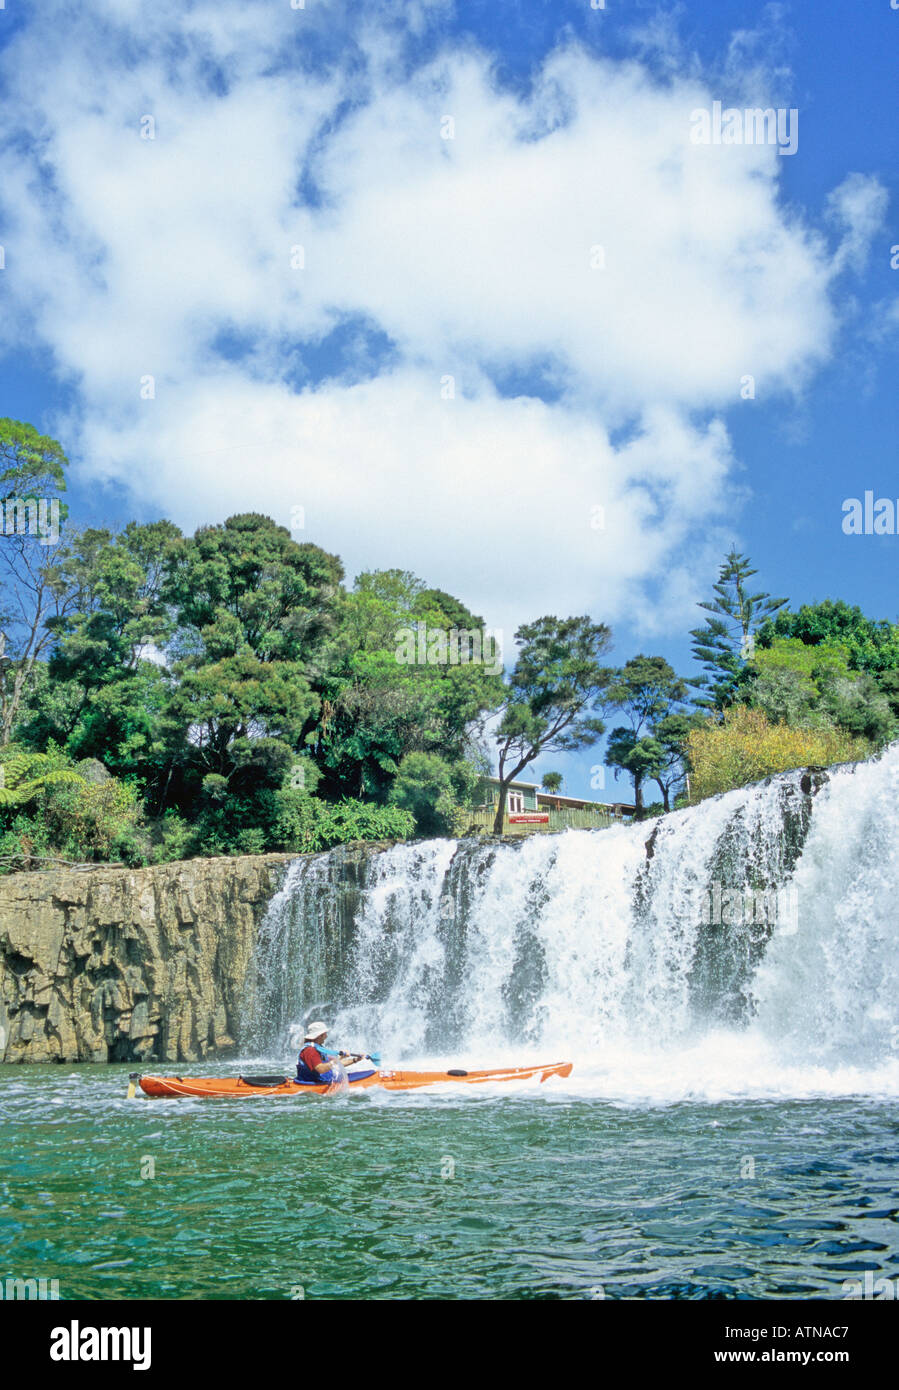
130, 256
857, 208
492, 498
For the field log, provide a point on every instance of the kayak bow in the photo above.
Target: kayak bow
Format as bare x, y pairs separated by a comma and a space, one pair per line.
250, 1087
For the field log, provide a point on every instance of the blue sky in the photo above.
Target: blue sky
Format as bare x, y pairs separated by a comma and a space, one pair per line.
427, 258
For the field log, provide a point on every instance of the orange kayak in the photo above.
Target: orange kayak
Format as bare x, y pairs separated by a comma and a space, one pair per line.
250, 1087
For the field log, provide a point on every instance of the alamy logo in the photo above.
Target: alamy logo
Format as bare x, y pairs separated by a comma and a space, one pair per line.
754, 126
38, 1289
424, 646
77, 1343
33, 516
877, 1289
870, 518
723, 906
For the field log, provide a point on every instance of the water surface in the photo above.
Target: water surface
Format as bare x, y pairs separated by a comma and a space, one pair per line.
540, 1193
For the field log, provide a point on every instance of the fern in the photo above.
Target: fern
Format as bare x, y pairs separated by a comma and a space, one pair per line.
24, 775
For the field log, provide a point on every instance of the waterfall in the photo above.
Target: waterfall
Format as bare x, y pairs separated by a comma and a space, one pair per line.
745, 943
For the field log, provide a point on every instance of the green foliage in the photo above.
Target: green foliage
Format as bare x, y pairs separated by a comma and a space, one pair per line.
246, 586
378, 706
24, 842
652, 744
551, 695
31, 464
286, 819
100, 695
871, 644
176, 839
865, 700
295, 822
306, 825
637, 755
436, 792
253, 609
813, 686
77, 813
93, 820
24, 776
723, 644
32, 472
552, 782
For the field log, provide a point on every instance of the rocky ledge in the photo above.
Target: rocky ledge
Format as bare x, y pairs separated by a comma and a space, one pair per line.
117, 965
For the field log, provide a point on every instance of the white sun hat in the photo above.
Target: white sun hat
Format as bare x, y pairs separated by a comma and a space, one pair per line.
315, 1030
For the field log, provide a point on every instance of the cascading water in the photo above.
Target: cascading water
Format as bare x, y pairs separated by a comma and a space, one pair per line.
747, 944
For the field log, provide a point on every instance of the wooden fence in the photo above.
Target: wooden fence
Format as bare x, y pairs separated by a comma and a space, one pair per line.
481, 822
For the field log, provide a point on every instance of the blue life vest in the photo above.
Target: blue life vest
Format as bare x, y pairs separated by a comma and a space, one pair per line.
307, 1074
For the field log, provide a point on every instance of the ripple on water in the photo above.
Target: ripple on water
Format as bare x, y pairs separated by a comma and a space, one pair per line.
577, 1200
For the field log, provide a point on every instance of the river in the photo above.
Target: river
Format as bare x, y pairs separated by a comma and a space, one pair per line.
728, 993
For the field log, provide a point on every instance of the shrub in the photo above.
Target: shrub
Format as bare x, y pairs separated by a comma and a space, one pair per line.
423, 786
251, 840
306, 824
743, 746
92, 820
175, 839
292, 821
24, 841
436, 792
815, 687
78, 813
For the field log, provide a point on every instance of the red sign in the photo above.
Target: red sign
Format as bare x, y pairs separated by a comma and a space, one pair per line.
535, 818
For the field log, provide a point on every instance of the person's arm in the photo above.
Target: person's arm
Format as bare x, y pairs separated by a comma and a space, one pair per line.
319, 1067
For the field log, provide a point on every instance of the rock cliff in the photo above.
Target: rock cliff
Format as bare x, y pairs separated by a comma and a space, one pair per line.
114, 964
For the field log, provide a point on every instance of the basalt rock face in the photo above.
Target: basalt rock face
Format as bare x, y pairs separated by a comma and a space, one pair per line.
114, 964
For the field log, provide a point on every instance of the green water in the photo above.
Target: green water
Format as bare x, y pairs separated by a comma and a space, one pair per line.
539, 1194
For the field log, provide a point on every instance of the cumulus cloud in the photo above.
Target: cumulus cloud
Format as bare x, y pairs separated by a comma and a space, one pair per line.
523, 509
595, 286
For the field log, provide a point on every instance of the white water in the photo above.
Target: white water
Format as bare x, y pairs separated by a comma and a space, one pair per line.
579, 946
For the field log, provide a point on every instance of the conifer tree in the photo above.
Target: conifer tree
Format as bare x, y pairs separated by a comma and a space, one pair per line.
725, 643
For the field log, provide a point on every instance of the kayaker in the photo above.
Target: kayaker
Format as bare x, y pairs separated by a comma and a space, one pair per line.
312, 1063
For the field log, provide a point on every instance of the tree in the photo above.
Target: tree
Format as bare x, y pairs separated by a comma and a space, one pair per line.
107, 686
32, 471
392, 686
551, 695
639, 757
871, 644
726, 640
435, 791
253, 611
672, 735
811, 686
651, 745
552, 782
871, 647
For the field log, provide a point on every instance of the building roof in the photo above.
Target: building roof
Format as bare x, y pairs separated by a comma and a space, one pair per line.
581, 800
557, 796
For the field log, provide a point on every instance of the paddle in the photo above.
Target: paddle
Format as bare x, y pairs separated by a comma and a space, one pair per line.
352, 1057
374, 1057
